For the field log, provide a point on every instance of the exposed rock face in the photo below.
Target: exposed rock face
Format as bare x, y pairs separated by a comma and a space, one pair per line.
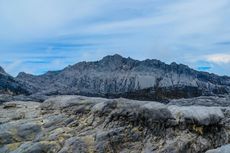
115, 76
221, 100
9, 85
69, 124
33, 97
223, 149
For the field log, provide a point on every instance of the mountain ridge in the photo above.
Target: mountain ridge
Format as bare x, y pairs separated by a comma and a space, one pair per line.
115, 76
117, 55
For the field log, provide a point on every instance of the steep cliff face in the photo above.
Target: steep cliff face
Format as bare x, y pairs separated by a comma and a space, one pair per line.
115, 76
9, 85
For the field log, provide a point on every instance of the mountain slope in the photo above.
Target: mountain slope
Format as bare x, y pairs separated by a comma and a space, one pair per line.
9, 85
116, 76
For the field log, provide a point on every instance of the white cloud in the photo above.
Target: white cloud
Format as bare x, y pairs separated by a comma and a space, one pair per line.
218, 58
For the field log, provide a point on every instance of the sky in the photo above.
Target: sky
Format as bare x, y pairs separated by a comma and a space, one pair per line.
41, 35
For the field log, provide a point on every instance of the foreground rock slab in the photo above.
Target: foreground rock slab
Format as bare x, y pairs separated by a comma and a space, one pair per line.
77, 124
223, 149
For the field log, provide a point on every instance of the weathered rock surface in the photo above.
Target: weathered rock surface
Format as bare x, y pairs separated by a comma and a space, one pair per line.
223, 149
33, 97
221, 100
77, 124
115, 76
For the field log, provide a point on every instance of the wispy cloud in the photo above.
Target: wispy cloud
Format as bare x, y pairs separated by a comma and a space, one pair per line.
223, 43
218, 58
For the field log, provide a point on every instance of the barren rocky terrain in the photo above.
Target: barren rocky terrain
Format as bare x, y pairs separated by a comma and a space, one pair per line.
187, 111
77, 124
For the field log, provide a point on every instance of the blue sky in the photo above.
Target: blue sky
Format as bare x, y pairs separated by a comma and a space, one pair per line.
41, 35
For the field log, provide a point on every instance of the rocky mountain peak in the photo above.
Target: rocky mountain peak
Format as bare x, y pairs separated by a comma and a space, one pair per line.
116, 62
23, 75
112, 58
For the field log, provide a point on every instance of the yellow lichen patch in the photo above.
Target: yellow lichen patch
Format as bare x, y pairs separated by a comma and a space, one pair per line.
14, 134
59, 130
198, 129
61, 134
137, 129
61, 139
13, 146
48, 142
53, 146
83, 122
89, 141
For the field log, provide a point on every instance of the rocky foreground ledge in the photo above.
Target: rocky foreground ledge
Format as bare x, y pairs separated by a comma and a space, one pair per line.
77, 124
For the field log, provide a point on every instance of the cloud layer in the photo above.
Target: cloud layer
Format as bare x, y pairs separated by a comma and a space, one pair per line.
218, 58
41, 35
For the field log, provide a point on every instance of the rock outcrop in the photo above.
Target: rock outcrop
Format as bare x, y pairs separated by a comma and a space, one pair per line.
68, 124
9, 85
221, 100
223, 149
116, 76
34, 97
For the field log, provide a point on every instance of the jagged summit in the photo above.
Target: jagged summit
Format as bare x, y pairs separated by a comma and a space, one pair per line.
115, 57
22, 74
117, 62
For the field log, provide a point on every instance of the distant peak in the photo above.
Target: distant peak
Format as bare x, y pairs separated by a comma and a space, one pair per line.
22, 74
117, 62
173, 63
115, 57
2, 70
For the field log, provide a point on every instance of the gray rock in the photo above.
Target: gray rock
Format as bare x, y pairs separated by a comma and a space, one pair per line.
38, 147
17, 131
67, 124
221, 100
223, 149
74, 145
197, 114
9, 105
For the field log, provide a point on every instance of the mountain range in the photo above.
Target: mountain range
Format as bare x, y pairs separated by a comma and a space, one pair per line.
115, 76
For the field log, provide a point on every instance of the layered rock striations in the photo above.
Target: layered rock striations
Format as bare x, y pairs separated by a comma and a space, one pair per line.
69, 124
